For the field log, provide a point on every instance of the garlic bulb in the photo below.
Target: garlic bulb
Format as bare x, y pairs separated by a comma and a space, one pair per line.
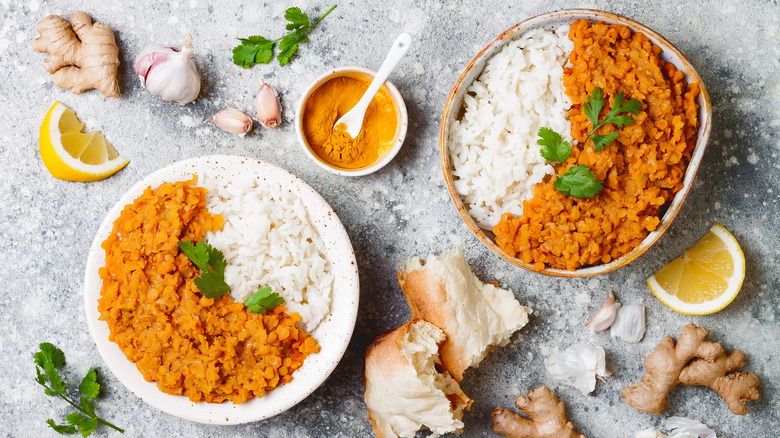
232, 120
578, 366
605, 316
268, 106
168, 73
629, 323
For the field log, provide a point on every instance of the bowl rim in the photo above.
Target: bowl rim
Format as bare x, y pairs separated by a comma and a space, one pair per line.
400, 135
317, 367
705, 127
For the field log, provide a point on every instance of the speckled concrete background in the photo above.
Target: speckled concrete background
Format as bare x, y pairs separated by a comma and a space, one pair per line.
47, 225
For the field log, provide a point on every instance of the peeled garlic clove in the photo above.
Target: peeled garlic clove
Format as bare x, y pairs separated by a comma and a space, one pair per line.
232, 120
169, 73
268, 106
605, 316
629, 324
577, 366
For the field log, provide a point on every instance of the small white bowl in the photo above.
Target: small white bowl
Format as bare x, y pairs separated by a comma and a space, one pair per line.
400, 133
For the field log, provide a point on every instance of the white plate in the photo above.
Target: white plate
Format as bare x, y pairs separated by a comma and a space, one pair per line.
333, 334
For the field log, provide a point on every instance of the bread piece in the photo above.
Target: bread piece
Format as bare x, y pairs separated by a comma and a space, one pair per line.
475, 316
404, 392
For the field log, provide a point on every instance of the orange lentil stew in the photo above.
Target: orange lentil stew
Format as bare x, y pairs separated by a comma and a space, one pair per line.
641, 171
212, 350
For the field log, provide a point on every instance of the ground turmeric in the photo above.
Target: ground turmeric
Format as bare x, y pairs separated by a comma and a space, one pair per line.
333, 99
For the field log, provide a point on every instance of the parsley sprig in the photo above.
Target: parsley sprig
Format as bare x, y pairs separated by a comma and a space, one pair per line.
47, 360
263, 301
211, 283
579, 181
260, 50
593, 108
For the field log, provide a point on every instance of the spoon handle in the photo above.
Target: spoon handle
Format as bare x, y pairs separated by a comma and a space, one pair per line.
400, 46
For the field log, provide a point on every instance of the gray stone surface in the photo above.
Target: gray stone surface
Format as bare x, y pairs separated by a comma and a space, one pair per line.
47, 225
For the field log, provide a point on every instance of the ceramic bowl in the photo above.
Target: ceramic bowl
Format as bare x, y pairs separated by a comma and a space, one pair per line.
333, 333
550, 20
400, 134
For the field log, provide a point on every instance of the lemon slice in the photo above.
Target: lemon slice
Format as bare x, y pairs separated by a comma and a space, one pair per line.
706, 278
73, 155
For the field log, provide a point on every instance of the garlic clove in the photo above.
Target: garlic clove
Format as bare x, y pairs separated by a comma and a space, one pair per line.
605, 316
629, 324
232, 120
148, 57
577, 366
268, 106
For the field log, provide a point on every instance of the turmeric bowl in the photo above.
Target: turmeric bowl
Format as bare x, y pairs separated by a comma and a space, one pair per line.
454, 110
379, 142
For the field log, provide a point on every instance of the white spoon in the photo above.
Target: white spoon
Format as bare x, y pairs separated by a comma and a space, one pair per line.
353, 119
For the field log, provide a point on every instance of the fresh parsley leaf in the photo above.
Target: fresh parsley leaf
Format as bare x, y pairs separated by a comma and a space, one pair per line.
263, 300
210, 260
579, 182
62, 429
89, 385
555, 149
593, 108
49, 357
260, 50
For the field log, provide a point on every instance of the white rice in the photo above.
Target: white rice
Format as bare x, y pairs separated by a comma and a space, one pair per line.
268, 240
496, 161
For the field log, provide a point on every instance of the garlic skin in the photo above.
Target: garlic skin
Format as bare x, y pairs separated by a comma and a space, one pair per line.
629, 323
169, 73
578, 366
605, 316
268, 106
233, 121
682, 427
650, 433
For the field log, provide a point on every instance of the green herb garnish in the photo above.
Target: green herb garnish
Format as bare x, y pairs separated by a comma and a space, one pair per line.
592, 109
211, 261
579, 182
260, 50
555, 149
47, 360
263, 300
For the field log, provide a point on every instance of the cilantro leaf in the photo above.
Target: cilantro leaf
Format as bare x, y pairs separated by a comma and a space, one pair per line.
75, 418
594, 105
49, 358
555, 149
86, 406
296, 18
86, 428
89, 385
260, 50
601, 141
62, 429
593, 108
263, 300
579, 182
210, 260
198, 254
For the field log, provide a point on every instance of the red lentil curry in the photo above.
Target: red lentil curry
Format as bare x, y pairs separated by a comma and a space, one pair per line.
205, 349
641, 171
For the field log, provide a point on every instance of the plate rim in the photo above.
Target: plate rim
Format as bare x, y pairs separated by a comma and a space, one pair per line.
280, 399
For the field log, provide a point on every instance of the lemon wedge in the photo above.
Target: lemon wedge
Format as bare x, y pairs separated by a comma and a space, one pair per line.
73, 155
706, 278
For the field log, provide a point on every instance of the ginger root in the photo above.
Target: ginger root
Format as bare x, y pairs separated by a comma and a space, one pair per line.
82, 55
668, 365
547, 417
